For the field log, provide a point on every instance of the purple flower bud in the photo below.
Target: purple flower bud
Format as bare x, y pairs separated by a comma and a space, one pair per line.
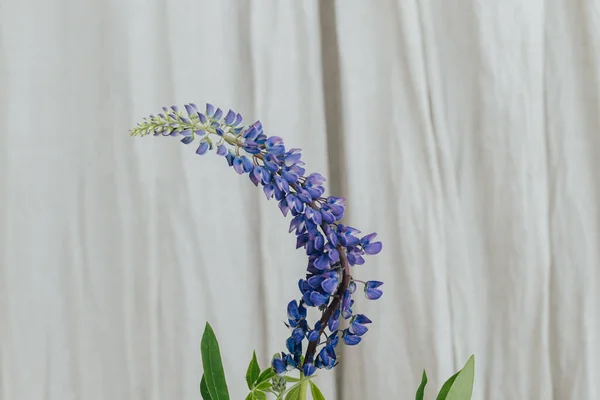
248, 166
203, 148
350, 339
253, 179
238, 120
352, 287
292, 310
202, 118
334, 321
322, 262
257, 172
250, 133
279, 195
298, 335
371, 291
318, 299
289, 176
278, 365
271, 166
292, 159
238, 165
308, 369
329, 285
319, 243
284, 207
301, 241
356, 325
221, 150
373, 248
187, 140
230, 157
210, 110
230, 117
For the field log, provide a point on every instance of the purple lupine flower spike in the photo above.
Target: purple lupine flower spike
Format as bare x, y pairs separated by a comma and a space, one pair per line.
332, 248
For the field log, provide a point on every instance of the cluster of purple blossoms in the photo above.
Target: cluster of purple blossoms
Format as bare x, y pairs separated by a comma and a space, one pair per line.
332, 248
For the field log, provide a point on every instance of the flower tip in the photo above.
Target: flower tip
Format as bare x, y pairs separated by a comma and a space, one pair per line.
373, 248
308, 369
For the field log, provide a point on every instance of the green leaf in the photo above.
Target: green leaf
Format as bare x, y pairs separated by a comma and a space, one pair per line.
265, 375
446, 387
264, 385
291, 379
421, 390
316, 393
294, 393
460, 385
258, 395
204, 390
252, 372
462, 388
213, 367
250, 396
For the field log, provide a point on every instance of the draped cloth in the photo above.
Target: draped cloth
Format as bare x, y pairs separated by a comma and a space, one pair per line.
465, 132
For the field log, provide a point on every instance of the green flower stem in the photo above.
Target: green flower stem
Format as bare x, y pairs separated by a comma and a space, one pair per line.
303, 389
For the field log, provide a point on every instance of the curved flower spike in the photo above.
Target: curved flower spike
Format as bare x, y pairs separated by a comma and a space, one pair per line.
332, 248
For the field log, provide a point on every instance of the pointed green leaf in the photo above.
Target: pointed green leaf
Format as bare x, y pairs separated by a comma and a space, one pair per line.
264, 385
258, 395
252, 372
250, 396
421, 390
446, 387
294, 393
265, 375
204, 390
462, 388
291, 379
213, 367
316, 393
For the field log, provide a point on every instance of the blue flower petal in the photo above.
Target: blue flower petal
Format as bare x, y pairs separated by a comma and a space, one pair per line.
318, 299
279, 366
372, 248
248, 166
210, 110
322, 262
230, 117
238, 165
221, 150
350, 339
329, 285
373, 294
308, 369
203, 148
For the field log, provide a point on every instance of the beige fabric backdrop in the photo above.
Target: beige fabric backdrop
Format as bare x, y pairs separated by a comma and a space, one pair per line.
465, 132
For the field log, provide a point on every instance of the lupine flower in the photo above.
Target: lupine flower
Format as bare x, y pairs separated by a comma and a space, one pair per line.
371, 290
331, 248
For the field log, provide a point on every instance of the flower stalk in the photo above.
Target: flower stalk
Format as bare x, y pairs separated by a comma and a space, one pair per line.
332, 248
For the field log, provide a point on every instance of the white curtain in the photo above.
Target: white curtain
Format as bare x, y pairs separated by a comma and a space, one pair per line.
465, 132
